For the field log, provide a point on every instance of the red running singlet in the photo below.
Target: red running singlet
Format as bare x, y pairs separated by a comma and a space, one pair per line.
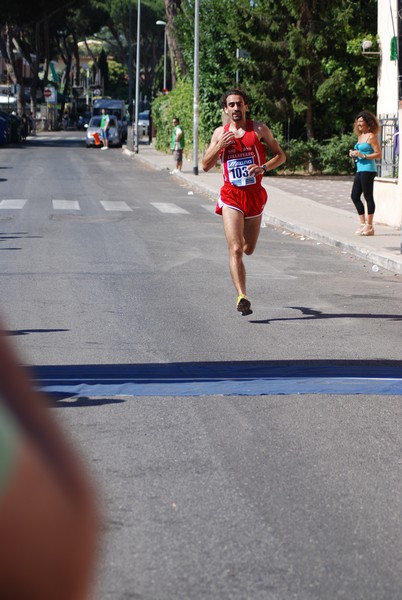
240, 190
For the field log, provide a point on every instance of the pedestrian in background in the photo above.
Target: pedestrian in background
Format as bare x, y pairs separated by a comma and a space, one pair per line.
24, 127
177, 144
241, 145
365, 152
104, 124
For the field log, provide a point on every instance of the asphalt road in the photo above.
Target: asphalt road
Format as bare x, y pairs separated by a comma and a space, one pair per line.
110, 266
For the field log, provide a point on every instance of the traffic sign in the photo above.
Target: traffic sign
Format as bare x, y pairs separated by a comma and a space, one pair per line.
50, 95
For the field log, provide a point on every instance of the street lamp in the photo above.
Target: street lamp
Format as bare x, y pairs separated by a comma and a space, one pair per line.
164, 53
130, 57
137, 76
196, 84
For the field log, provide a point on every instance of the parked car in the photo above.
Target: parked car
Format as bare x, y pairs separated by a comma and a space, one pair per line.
143, 123
11, 128
114, 132
4, 130
117, 108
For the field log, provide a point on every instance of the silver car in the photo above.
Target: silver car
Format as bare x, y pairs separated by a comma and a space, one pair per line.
114, 133
143, 123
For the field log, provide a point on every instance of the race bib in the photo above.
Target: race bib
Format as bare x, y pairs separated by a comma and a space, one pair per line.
238, 172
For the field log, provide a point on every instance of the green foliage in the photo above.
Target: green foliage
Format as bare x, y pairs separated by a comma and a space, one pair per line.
116, 33
177, 103
335, 159
117, 80
304, 64
299, 154
330, 157
217, 54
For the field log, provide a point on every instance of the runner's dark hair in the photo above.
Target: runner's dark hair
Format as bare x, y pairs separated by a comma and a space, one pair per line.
234, 92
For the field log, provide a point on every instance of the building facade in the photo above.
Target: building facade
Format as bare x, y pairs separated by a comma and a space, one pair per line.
387, 187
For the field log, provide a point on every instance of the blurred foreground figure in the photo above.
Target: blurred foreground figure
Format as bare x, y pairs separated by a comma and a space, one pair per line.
48, 515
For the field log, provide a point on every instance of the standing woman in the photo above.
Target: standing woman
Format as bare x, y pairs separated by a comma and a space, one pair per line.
366, 151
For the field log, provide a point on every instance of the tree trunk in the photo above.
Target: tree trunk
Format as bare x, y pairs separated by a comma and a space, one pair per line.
177, 61
14, 71
309, 116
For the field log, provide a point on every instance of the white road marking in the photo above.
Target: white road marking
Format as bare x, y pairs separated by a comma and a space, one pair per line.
115, 205
66, 205
14, 204
108, 205
166, 207
55, 138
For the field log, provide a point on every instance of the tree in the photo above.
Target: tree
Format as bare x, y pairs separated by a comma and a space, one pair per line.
178, 63
217, 55
25, 29
303, 59
115, 35
40, 32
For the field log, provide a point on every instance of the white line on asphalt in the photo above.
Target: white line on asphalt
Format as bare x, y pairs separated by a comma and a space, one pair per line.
51, 139
66, 205
166, 207
115, 205
12, 203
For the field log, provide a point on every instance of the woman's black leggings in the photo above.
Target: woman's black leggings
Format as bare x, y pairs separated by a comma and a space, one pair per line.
363, 184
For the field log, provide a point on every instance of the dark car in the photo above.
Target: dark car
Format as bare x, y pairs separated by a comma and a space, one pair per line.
11, 128
83, 121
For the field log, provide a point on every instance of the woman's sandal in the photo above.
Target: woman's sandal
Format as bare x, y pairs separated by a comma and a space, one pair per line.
361, 228
368, 230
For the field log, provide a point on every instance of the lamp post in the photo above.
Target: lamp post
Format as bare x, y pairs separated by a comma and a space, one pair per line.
196, 85
130, 57
164, 53
137, 76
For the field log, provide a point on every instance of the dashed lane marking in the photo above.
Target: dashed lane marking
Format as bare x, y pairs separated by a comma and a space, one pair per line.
171, 208
66, 205
108, 205
12, 203
115, 205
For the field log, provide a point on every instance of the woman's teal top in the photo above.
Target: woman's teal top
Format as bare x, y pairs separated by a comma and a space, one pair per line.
365, 164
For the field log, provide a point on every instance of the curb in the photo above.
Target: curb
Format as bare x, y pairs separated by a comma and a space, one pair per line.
388, 263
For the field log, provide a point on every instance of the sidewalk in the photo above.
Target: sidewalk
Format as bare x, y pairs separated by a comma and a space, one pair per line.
326, 224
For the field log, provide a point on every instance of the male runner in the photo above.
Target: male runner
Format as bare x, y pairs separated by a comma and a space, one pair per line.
240, 145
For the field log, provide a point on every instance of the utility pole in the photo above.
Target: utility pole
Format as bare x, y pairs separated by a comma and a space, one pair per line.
137, 76
196, 84
130, 140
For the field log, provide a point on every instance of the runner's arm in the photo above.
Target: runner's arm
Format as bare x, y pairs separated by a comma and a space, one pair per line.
220, 139
266, 136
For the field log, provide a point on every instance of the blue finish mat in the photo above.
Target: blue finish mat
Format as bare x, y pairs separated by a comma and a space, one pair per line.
223, 378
